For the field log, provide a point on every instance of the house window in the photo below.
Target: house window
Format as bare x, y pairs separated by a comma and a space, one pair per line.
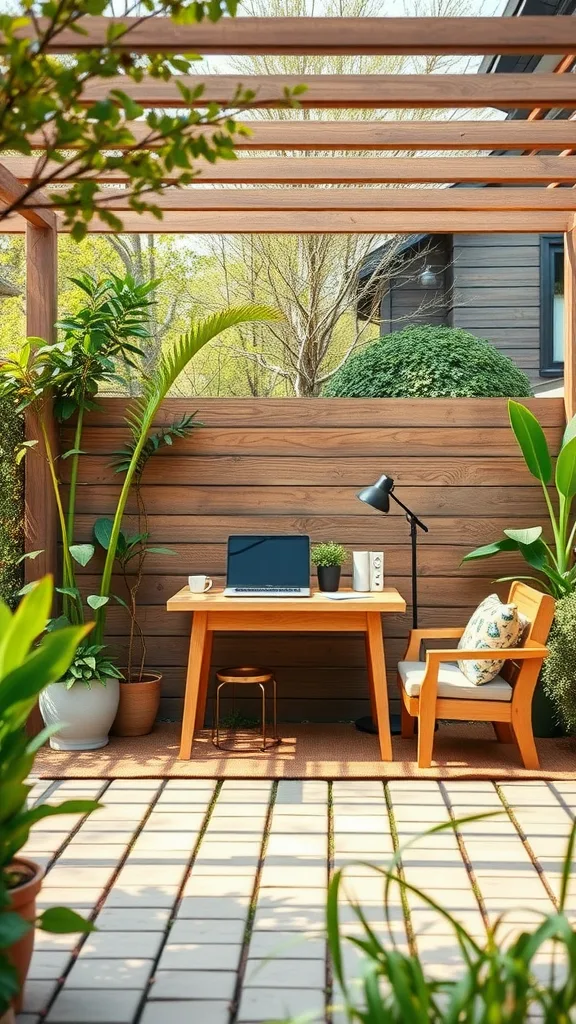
551, 305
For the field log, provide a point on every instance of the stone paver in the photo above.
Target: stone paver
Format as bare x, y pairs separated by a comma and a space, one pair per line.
210, 903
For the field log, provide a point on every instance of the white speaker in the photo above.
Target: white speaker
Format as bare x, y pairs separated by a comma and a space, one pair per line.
376, 562
361, 571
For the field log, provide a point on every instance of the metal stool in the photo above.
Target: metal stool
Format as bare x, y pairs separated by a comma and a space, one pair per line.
255, 677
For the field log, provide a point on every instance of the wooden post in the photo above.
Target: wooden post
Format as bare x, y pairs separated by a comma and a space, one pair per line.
41, 311
570, 320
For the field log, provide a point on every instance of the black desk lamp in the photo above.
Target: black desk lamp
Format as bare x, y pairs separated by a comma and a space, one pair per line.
378, 497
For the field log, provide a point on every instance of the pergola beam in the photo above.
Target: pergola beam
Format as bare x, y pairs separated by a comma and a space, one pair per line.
304, 136
332, 222
328, 36
377, 199
362, 170
11, 190
359, 92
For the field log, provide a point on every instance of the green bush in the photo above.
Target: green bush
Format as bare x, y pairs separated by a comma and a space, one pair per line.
429, 362
11, 503
559, 671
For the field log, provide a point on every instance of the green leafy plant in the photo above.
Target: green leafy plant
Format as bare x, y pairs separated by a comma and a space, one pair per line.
554, 562
559, 669
429, 362
26, 667
11, 503
143, 410
499, 982
329, 553
132, 550
106, 332
42, 98
91, 664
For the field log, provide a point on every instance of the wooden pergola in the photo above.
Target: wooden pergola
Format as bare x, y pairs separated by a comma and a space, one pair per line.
534, 193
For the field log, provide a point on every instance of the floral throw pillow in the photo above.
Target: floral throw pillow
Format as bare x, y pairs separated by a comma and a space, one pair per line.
493, 625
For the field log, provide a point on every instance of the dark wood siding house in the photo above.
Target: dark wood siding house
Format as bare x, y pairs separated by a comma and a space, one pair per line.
507, 289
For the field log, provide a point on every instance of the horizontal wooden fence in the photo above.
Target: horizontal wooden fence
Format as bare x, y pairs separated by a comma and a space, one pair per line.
294, 466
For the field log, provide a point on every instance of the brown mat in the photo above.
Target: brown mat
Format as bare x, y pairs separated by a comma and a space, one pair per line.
462, 751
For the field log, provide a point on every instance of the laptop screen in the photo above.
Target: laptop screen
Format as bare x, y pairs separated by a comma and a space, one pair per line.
273, 561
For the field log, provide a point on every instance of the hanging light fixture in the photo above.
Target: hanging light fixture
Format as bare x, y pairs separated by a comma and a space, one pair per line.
428, 278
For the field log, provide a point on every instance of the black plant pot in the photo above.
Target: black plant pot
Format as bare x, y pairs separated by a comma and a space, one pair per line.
329, 577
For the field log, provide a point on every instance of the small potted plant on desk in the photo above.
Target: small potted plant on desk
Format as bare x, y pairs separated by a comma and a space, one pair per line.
328, 559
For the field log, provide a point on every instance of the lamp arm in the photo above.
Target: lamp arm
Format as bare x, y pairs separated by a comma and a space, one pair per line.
410, 514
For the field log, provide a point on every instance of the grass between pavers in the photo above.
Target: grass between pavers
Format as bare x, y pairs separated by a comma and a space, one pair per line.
400, 872
248, 928
526, 843
178, 898
464, 854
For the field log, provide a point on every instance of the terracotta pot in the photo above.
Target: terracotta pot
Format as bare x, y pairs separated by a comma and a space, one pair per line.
23, 901
138, 707
8, 1017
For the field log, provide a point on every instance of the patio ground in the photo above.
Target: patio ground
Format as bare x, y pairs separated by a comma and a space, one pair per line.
209, 897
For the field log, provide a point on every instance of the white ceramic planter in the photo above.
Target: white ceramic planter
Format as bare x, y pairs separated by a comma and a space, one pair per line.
86, 713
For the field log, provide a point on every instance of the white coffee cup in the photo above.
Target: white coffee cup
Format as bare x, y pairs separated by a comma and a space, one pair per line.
199, 584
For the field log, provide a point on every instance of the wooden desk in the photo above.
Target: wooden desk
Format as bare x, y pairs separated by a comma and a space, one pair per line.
215, 613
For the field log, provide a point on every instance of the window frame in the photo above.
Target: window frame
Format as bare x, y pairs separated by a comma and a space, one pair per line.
549, 246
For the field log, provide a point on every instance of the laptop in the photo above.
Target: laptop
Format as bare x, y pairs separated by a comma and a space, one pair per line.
268, 566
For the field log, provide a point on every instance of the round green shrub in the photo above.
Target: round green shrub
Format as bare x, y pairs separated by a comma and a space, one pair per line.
429, 362
11, 503
559, 670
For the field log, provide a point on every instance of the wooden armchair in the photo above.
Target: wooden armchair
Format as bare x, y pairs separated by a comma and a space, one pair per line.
436, 688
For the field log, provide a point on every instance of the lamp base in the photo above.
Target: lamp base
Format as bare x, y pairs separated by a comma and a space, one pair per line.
367, 724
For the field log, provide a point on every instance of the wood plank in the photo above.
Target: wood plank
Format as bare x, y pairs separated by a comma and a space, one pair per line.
195, 199
434, 560
310, 223
365, 170
360, 531
329, 36
352, 471
289, 711
570, 321
307, 136
349, 413
333, 441
311, 500
157, 622
11, 190
432, 593
352, 92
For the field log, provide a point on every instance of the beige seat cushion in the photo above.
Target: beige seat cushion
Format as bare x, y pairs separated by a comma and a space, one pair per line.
452, 683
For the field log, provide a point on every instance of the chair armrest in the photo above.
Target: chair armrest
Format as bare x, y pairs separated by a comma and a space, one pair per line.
434, 658
416, 636
530, 650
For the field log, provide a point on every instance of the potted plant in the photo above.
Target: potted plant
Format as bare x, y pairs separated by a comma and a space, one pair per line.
140, 691
328, 559
559, 670
25, 668
553, 560
72, 372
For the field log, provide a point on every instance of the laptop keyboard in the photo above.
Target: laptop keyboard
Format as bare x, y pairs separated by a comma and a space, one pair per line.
267, 590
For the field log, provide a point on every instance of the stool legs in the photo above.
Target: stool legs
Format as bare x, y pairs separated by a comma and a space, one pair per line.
275, 739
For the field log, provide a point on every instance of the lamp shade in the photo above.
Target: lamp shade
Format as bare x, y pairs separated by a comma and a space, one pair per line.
378, 495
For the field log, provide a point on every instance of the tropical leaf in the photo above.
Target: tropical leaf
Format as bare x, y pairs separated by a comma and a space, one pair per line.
528, 536
81, 553
566, 470
488, 550
532, 441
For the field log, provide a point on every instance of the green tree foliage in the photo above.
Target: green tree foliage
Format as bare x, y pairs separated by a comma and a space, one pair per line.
429, 362
559, 671
11, 503
42, 95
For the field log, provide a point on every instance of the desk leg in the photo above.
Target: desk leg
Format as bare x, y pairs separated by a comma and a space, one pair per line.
204, 680
193, 683
373, 710
377, 672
